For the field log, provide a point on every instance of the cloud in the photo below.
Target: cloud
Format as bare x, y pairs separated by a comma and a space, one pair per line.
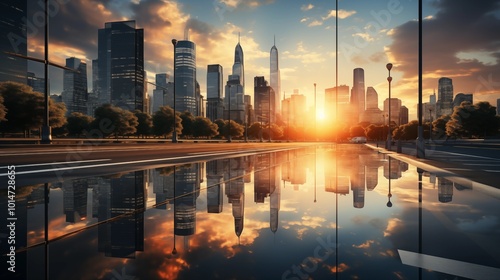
307, 7
305, 56
444, 48
235, 4
315, 23
304, 19
342, 14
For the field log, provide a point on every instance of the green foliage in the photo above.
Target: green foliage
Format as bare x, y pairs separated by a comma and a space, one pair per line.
439, 127
114, 120
203, 127
144, 123
187, 124
472, 121
78, 123
254, 130
163, 121
376, 132
3, 110
25, 108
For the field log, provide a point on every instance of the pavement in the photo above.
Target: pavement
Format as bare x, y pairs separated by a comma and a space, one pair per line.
467, 170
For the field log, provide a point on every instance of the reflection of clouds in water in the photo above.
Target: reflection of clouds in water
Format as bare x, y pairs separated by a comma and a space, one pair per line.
485, 224
392, 226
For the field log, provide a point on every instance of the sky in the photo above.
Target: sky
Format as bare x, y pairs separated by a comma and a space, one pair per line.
460, 41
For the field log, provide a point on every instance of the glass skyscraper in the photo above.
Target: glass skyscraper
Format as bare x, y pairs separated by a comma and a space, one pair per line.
185, 77
75, 94
215, 95
121, 79
275, 79
358, 93
445, 96
14, 40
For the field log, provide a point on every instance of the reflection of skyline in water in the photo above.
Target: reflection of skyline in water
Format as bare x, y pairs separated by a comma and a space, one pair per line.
256, 191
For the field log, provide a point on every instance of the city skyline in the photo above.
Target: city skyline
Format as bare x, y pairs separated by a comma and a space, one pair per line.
370, 35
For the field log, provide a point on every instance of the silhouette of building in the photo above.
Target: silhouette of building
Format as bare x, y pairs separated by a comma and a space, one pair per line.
358, 93
461, 97
395, 105
13, 32
75, 93
215, 94
215, 183
264, 100
163, 93
372, 113
429, 108
498, 106
235, 192
403, 115
75, 200
275, 77
120, 60
444, 104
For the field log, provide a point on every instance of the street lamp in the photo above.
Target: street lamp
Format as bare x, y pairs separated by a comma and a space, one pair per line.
269, 109
229, 116
315, 116
430, 125
174, 131
389, 136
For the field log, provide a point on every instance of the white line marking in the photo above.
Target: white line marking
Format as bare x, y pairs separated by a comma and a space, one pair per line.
448, 266
61, 163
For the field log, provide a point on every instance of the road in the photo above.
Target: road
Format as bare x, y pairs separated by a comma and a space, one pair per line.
479, 162
38, 163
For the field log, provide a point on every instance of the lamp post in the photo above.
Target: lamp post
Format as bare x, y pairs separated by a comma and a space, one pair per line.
269, 110
46, 137
315, 116
174, 131
420, 137
389, 134
430, 125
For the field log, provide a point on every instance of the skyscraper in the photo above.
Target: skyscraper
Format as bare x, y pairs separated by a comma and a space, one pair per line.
235, 89
395, 105
334, 100
14, 40
121, 65
275, 79
160, 93
185, 77
264, 100
75, 94
372, 113
358, 93
445, 97
215, 94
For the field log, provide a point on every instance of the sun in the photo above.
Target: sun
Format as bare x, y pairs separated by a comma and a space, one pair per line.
320, 115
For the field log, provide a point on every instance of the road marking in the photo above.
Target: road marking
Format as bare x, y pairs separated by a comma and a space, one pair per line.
448, 266
79, 151
57, 163
118, 163
466, 155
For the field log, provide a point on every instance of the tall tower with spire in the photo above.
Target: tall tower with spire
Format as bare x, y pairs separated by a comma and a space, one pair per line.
235, 88
238, 66
275, 79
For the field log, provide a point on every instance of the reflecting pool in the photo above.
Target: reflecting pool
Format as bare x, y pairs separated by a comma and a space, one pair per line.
326, 212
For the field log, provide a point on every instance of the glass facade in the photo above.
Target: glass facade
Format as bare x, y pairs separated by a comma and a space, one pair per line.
185, 77
14, 40
215, 94
75, 94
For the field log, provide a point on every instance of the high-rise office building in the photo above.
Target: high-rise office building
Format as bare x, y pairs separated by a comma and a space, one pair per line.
215, 94
234, 106
403, 115
275, 78
13, 15
445, 97
395, 107
160, 92
461, 97
120, 51
337, 99
264, 100
358, 93
75, 93
185, 77
239, 65
372, 113
37, 83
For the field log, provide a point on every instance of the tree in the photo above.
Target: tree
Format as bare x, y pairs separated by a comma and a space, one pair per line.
203, 127
144, 123
357, 131
276, 132
376, 132
187, 123
474, 121
3, 110
221, 127
235, 129
25, 108
439, 127
114, 120
254, 130
163, 121
78, 123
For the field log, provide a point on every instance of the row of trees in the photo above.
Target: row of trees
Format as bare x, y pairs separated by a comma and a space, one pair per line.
467, 121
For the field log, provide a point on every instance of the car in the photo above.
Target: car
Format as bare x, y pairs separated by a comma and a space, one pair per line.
359, 139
